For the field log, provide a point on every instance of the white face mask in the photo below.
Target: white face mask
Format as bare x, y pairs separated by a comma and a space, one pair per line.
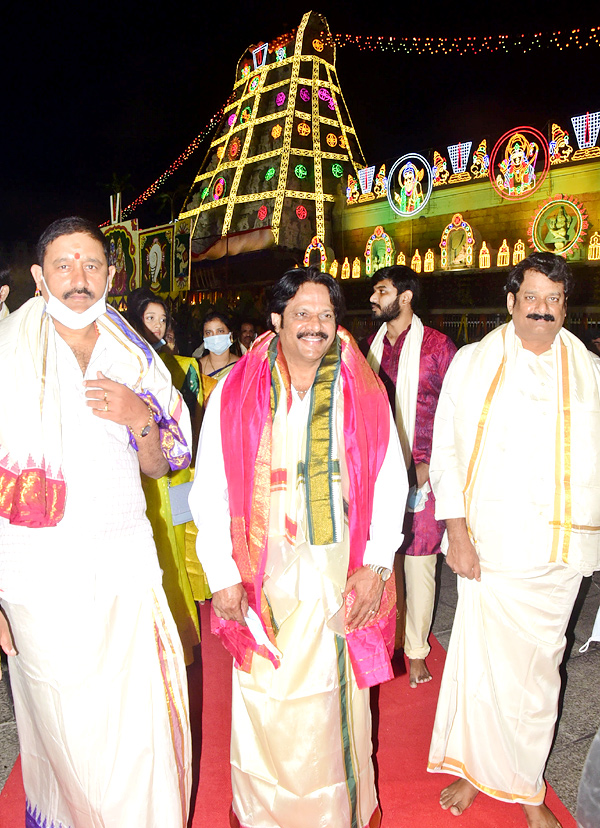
217, 344
70, 318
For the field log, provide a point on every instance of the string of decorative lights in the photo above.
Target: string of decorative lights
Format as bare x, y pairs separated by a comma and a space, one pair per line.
155, 186
574, 39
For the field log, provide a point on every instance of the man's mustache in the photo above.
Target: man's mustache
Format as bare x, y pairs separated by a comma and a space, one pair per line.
302, 334
75, 291
546, 317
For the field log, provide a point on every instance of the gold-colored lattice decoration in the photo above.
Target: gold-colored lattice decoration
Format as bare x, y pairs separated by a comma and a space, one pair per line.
331, 139
484, 257
503, 259
518, 252
303, 128
416, 262
276, 131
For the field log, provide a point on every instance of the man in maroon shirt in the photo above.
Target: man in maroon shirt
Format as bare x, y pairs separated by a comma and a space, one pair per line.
412, 360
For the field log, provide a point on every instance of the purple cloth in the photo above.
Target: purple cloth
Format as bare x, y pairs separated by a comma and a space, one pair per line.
423, 533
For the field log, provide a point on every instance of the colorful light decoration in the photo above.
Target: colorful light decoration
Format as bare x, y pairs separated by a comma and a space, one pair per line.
356, 268
503, 258
231, 119
317, 45
246, 114
469, 45
559, 225
205, 192
518, 252
221, 152
301, 212
315, 244
303, 129
331, 139
415, 262
560, 146
254, 83
460, 252
365, 178
276, 131
245, 70
400, 259
219, 188
586, 129
515, 177
429, 263
333, 270
439, 171
234, 148
262, 212
594, 248
378, 235
305, 94
280, 54
300, 171
337, 170
280, 99
481, 161
485, 259
409, 184
459, 158
346, 269
269, 173
323, 94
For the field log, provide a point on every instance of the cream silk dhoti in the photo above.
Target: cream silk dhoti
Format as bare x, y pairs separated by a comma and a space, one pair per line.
301, 734
101, 704
499, 695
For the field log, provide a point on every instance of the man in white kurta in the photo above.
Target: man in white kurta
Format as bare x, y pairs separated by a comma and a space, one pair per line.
516, 475
96, 666
301, 728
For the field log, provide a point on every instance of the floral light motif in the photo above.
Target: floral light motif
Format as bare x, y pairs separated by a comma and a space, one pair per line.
269, 173
231, 119
219, 188
305, 94
301, 212
262, 212
331, 139
324, 94
280, 99
337, 170
303, 128
276, 131
300, 171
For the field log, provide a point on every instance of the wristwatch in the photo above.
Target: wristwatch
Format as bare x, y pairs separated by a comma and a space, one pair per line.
383, 572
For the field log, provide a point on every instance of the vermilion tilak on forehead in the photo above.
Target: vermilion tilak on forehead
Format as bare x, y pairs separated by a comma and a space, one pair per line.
78, 255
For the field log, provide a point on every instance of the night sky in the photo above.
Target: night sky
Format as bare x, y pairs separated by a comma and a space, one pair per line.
125, 87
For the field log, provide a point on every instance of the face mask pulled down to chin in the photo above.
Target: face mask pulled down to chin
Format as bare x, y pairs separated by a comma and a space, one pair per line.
70, 318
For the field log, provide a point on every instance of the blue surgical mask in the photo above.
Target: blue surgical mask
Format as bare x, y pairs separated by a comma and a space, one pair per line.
217, 344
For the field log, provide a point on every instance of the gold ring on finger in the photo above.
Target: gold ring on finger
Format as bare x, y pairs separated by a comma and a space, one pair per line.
106, 407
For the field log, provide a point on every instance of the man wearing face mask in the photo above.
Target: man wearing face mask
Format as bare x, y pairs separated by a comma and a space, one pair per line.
215, 355
96, 666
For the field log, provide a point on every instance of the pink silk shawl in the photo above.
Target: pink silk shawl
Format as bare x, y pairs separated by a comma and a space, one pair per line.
246, 423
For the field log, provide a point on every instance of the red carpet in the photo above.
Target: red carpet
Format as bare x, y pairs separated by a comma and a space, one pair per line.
403, 720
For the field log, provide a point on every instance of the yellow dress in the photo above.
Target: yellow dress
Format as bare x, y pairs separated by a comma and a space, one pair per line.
184, 581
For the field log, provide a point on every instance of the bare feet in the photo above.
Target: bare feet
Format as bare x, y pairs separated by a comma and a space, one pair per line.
540, 816
419, 674
458, 796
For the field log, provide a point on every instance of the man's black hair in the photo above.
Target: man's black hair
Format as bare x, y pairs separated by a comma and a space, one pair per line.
552, 266
402, 277
290, 283
66, 227
5, 278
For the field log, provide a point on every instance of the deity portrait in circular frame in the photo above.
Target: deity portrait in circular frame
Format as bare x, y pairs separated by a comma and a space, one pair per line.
409, 184
519, 163
559, 225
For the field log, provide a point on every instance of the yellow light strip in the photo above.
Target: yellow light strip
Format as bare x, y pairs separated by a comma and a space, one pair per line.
318, 165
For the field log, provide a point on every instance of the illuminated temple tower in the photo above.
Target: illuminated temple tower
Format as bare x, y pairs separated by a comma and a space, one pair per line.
282, 152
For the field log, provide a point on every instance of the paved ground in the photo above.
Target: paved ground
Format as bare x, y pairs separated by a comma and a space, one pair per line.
580, 715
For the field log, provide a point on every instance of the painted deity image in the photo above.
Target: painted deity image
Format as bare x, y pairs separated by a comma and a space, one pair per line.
410, 197
517, 170
561, 230
439, 169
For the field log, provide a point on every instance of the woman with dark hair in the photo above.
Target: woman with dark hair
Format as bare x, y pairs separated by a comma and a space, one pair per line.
215, 355
183, 577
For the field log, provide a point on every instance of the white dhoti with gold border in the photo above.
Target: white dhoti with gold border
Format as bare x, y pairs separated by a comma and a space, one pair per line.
100, 696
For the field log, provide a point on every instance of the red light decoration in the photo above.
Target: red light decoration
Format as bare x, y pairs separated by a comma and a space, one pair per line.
301, 212
517, 176
262, 212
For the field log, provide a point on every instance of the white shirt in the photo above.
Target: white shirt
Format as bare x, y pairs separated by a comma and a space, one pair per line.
209, 501
104, 537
